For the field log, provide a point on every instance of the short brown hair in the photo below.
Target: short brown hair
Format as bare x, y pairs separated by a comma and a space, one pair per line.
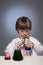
23, 23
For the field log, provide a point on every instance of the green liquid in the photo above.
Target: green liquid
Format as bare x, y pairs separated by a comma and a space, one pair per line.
17, 55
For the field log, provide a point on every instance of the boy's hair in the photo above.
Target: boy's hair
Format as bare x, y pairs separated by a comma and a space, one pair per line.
23, 23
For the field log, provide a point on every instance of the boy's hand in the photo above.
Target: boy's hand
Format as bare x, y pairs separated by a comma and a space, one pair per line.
20, 45
30, 44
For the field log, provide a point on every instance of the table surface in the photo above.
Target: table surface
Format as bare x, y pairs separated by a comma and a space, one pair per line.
28, 60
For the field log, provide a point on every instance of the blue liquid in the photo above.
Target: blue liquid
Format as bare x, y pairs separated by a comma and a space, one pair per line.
27, 48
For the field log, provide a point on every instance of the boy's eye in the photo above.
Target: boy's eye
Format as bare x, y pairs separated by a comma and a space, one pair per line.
21, 30
27, 31
24, 31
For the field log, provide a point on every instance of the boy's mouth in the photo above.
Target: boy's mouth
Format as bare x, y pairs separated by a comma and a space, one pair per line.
25, 37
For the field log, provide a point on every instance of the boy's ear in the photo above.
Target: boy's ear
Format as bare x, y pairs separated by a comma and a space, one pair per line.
18, 30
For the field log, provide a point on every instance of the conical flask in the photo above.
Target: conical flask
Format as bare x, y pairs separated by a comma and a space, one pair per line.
17, 55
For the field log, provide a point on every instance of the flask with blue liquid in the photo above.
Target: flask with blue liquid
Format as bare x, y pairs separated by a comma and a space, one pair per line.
29, 50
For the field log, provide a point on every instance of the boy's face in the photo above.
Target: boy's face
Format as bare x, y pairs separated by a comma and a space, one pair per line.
24, 33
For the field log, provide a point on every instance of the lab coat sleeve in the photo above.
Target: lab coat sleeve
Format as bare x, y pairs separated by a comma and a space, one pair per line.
38, 47
10, 47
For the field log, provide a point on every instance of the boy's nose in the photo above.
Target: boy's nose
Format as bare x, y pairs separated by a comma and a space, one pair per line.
24, 32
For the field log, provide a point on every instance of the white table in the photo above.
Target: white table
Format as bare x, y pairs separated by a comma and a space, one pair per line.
28, 60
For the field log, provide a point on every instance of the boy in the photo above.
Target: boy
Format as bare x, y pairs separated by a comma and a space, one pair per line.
23, 27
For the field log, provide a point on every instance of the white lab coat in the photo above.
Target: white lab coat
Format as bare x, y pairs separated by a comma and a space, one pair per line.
37, 50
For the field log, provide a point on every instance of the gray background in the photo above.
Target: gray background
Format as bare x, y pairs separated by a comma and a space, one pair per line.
10, 10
